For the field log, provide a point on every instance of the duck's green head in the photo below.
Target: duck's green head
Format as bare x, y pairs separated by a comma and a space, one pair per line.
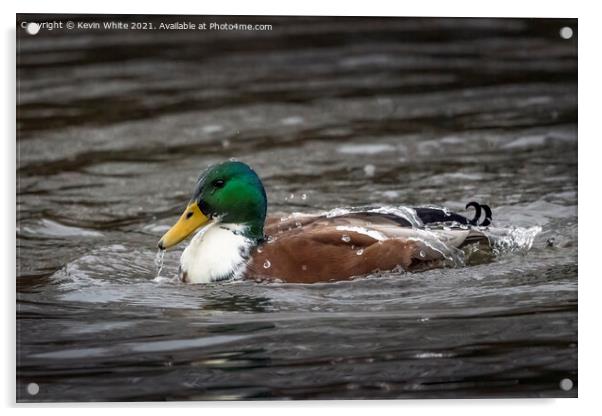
230, 192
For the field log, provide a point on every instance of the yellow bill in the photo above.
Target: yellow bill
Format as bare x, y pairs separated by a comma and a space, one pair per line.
189, 221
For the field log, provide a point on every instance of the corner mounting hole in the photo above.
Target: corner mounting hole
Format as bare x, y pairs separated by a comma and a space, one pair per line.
566, 32
33, 389
566, 384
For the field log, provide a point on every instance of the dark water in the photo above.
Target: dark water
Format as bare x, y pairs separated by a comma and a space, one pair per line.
114, 127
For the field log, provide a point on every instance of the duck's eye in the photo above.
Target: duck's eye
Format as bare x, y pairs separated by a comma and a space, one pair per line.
219, 183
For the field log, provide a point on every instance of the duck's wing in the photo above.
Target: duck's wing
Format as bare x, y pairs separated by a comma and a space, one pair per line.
318, 249
425, 215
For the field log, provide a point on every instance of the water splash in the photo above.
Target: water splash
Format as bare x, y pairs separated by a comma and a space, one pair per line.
513, 240
360, 230
408, 214
435, 242
337, 212
159, 262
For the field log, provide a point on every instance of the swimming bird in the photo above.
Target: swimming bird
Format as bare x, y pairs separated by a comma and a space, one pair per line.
235, 240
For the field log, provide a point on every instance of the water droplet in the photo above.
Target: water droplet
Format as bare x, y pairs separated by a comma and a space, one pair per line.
422, 254
298, 224
259, 250
359, 252
304, 197
304, 267
291, 196
369, 170
225, 143
346, 238
267, 264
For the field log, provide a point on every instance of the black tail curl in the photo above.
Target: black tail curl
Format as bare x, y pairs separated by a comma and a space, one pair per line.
478, 211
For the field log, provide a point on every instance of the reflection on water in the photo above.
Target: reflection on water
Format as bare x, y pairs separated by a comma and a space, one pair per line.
333, 114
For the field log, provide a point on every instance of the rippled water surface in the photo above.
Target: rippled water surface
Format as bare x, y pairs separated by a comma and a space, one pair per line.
114, 128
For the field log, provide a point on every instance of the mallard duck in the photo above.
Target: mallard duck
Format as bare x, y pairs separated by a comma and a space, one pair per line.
235, 240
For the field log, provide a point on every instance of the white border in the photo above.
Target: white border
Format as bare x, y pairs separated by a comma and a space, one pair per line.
507, 8
590, 243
